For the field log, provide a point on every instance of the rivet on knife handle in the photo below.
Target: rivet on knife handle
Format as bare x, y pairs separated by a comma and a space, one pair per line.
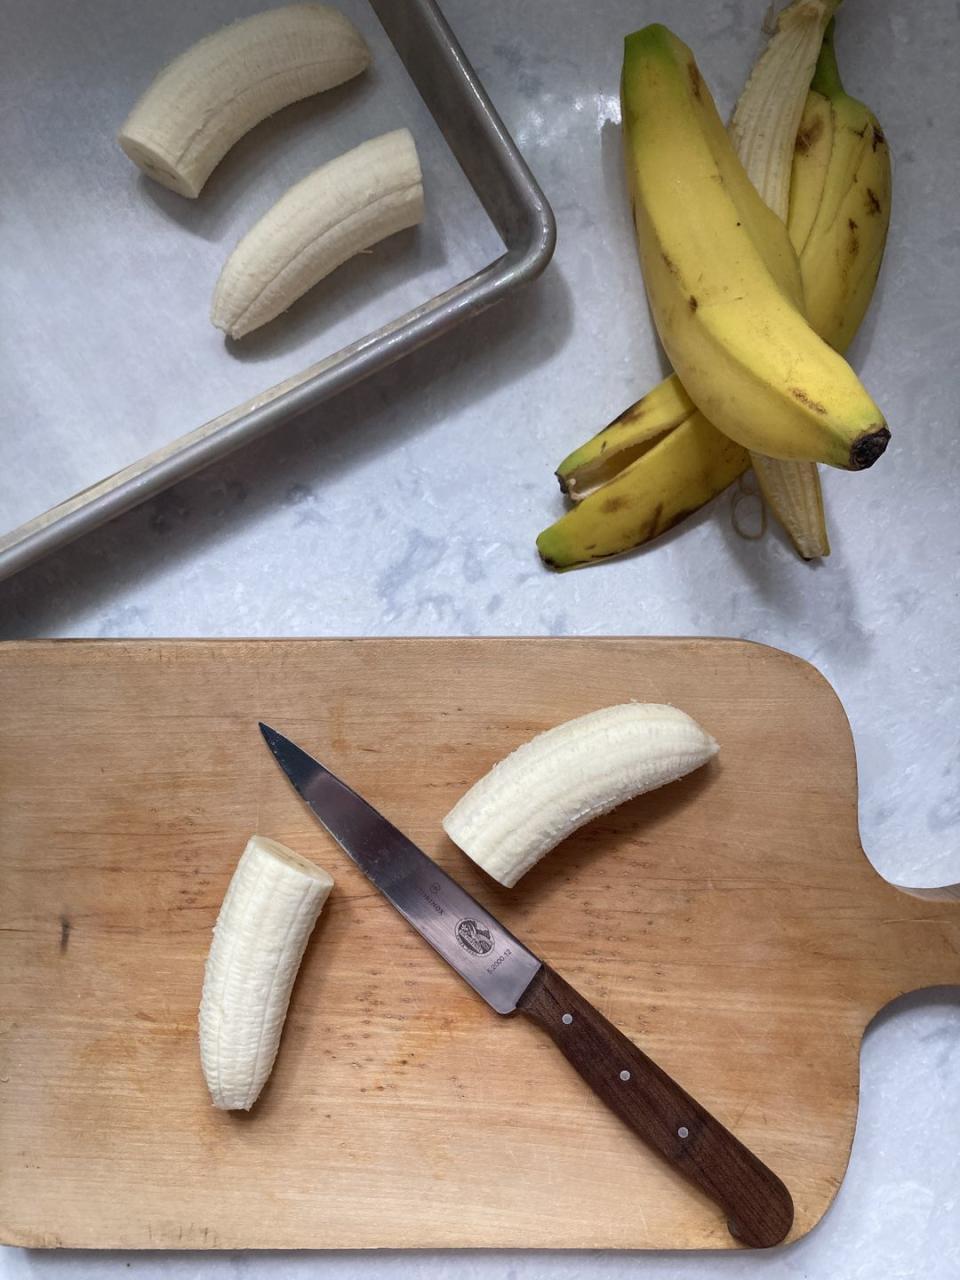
758, 1205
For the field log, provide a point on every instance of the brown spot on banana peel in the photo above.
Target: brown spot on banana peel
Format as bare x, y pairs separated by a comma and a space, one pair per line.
652, 527
798, 393
613, 505
853, 244
669, 263
634, 412
695, 82
868, 447
873, 202
692, 303
808, 136
569, 566
878, 137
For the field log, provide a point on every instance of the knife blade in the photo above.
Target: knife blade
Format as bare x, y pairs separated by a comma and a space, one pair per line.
511, 978
470, 939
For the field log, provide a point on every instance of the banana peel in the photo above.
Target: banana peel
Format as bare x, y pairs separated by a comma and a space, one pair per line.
625, 440
682, 470
839, 266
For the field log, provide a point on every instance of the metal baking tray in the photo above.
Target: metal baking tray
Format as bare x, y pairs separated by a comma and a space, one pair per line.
108, 356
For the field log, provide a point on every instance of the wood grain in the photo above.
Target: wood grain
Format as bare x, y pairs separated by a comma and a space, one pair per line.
729, 924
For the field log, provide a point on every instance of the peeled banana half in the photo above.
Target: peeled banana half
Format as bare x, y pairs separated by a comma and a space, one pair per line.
340, 209
211, 95
562, 779
265, 922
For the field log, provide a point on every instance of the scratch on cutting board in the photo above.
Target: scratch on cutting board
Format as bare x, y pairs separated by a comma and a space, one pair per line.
638, 1210
746, 1107
912, 920
65, 928
511, 1154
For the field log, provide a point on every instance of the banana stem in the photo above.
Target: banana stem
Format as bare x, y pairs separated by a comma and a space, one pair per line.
826, 75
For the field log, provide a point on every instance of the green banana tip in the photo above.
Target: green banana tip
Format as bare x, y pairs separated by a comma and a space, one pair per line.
553, 565
551, 550
650, 39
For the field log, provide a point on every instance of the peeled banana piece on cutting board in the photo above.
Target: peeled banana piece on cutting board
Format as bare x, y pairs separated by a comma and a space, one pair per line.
217, 90
265, 921
562, 779
343, 207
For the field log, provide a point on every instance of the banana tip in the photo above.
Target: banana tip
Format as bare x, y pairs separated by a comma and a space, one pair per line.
220, 319
868, 447
549, 560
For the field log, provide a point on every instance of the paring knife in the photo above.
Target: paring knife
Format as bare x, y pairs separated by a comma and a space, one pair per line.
509, 977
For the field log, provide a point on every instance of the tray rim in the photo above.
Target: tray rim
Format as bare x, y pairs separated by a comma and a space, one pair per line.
522, 217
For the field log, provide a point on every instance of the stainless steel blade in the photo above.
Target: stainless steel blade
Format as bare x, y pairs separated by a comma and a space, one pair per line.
469, 938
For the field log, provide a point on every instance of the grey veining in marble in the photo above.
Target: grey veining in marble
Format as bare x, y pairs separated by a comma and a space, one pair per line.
409, 506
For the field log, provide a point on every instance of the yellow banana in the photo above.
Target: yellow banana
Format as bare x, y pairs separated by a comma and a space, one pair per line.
811, 160
675, 473
764, 129
841, 247
722, 277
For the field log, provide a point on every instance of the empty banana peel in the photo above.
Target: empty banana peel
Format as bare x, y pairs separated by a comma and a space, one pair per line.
840, 154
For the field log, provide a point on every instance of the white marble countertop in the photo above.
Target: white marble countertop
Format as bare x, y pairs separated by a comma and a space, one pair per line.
409, 506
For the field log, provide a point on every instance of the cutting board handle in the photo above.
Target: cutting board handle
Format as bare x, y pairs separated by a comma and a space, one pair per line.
917, 938
758, 1205
945, 893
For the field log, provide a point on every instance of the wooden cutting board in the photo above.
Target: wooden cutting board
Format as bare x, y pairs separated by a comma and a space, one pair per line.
730, 924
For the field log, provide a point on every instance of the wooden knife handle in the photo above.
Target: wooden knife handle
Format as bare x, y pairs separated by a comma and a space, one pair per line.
758, 1206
